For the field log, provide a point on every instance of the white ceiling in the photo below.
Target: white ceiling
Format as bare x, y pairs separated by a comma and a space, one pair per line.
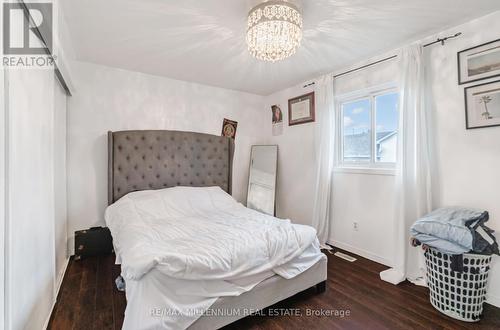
204, 40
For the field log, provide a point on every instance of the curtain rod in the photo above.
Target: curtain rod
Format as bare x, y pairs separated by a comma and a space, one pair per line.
439, 40
443, 40
365, 66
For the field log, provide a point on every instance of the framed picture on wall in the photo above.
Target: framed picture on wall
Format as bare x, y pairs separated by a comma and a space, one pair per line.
478, 63
301, 109
277, 120
229, 128
482, 105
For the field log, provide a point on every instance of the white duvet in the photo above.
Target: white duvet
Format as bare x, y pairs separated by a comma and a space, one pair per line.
194, 245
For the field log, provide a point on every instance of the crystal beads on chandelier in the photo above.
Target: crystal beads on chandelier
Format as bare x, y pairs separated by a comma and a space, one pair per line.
274, 30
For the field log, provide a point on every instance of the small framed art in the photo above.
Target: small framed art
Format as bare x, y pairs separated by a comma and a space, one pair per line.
277, 120
301, 109
229, 128
482, 105
478, 63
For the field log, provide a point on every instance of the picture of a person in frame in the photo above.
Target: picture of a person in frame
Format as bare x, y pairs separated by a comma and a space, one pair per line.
277, 114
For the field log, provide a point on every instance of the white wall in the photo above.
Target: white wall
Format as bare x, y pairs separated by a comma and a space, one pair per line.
365, 199
361, 198
296, 165
113, 99
33, 184
467, 161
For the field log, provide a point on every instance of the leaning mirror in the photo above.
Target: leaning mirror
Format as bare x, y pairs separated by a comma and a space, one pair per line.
262, 179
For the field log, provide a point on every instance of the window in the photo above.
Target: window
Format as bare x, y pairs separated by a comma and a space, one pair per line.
369, 129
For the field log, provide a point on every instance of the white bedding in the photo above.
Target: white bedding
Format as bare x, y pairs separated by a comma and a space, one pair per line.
182, 248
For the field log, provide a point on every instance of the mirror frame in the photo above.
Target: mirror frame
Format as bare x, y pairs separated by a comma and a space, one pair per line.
275, 176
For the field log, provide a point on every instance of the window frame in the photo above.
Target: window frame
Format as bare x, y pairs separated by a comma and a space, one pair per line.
372, 166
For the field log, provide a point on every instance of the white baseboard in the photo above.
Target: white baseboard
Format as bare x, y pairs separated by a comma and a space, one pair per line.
360, 252
493, 300
58, 287
61, 276
71, 245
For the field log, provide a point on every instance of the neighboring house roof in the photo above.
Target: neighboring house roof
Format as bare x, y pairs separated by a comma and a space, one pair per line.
382, 136
358, 145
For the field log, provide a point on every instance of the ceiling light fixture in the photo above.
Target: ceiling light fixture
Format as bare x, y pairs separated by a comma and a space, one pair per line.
274, 30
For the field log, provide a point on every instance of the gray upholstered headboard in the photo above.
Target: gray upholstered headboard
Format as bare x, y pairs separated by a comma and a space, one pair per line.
147, 160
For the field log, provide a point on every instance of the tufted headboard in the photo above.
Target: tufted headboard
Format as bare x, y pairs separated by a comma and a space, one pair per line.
148, 160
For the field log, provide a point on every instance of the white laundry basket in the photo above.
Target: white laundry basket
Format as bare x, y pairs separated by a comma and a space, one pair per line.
458, 295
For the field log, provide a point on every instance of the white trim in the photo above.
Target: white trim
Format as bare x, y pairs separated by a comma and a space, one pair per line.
360, 252
58, 288
61, 276
364, 170
70, 242
366, 92
493, 300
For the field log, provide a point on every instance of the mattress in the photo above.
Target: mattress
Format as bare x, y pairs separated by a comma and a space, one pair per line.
183, 248
158, 301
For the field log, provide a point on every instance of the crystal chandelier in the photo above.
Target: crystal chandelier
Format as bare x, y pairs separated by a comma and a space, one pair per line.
274, 30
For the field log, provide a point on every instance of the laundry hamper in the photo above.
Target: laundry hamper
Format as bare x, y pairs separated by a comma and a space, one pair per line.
458, 295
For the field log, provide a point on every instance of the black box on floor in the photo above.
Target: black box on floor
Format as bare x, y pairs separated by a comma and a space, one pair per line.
93, 242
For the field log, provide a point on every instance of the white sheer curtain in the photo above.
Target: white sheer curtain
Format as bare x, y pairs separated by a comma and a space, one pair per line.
324, 147
413, 170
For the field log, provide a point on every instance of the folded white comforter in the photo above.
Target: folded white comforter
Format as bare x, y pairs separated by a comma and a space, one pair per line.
200, 234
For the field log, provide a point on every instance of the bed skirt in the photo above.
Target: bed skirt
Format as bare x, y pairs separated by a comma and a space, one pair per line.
265, 294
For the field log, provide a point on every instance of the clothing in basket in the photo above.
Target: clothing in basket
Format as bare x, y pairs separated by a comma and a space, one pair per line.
456, 230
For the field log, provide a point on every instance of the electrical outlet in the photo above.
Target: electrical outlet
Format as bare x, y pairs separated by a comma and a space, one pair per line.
355, 225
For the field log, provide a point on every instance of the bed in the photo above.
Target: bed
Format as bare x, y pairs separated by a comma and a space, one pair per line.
195, 169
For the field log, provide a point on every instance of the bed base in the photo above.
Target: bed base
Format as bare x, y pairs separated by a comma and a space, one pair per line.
267, 293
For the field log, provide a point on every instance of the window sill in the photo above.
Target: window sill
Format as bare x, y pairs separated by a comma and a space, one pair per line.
365, 170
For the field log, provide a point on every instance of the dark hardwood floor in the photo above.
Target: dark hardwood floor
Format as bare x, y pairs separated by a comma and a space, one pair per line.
88, 299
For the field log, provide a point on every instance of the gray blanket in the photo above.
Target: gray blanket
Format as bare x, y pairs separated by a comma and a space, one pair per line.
456, 230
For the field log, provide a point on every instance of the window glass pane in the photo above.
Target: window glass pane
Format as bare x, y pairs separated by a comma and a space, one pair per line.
357, 131
387, 117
